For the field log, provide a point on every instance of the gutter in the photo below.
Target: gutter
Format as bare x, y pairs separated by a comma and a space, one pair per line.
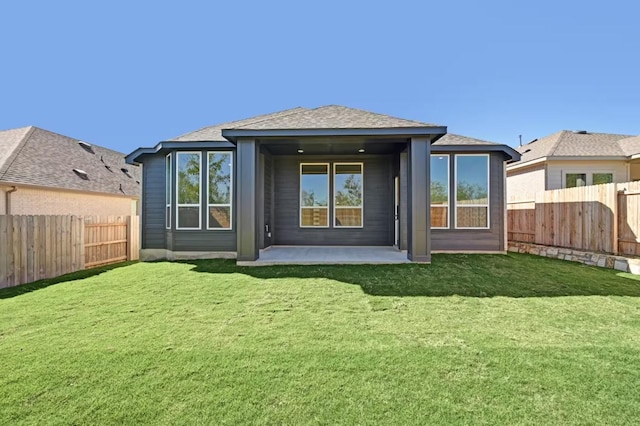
7, 194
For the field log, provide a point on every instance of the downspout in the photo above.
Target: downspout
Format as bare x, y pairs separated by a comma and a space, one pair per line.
8, 199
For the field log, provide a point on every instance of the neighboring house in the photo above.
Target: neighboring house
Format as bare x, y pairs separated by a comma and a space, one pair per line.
44, 173
332, 176
573, 158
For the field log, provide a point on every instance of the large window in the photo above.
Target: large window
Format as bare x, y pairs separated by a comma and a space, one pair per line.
314, 195
167, 174
219, 181
347, 195
573, 180
472, 191
188, 190
440, 191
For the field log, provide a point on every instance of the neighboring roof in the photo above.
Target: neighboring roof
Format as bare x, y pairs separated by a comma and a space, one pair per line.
325, 117
567, 143
630, 146
33, 156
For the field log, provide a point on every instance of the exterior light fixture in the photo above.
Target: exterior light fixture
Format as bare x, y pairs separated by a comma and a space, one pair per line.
361, 150
300, 151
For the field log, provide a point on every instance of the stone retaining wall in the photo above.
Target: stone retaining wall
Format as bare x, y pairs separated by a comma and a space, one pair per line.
602, 260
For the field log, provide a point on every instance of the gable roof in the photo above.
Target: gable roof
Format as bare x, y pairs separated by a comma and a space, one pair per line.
566, 143
453, 139
300, 118
33, 156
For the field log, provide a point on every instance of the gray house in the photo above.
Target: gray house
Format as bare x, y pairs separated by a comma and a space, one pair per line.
329, 176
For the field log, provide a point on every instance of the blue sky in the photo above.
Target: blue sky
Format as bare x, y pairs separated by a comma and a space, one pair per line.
129, 74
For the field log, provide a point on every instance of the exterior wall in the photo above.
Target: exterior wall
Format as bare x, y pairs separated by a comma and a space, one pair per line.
153, 202
492, 239
522, 184
556, 170
154, 232
634, 171
34, 201
378, 204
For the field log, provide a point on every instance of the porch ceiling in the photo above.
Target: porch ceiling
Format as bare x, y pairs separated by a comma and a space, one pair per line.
333, 146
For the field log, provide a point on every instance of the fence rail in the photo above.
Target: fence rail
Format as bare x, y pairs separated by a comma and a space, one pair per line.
38, 247
601, 218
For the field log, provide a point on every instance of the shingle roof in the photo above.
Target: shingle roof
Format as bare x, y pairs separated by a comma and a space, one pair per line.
566, 143
326, 117
43, 158
453, 139
630, 146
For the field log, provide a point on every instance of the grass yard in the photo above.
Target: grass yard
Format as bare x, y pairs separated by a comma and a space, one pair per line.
486, 339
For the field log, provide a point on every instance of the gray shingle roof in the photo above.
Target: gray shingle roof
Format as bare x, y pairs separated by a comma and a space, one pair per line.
453, 139
572, 144
326, 117
44, 158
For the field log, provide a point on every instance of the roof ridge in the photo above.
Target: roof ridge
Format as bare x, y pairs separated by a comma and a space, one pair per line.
16, 152
283, 113
554, 148
371, 112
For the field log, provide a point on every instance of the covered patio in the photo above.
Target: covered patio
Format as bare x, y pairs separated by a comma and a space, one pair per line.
327, 255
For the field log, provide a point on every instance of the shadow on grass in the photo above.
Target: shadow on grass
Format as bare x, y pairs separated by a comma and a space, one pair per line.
510, 275
6, 293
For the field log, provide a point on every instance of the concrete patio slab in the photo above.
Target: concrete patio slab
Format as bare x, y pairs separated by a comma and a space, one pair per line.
327, 255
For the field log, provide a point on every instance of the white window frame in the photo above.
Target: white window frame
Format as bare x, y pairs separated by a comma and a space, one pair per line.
318, 207
587, 174
178, 205
455, 190
230, 205
167, 210
333, 199
448, 191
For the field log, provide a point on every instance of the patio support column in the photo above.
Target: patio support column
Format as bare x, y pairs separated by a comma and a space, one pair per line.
419, 185
246, 199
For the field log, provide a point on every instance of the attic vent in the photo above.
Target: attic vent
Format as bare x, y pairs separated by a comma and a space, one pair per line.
580, 132
81, 173
527, 150
87, 146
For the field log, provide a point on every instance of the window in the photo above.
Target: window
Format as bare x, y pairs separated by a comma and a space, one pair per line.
440, 191
472, 191
188, 190
347, 195
167, 186
573, 180
601, 178
314, 195
219, 182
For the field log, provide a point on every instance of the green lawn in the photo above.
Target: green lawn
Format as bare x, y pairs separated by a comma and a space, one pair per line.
487, 339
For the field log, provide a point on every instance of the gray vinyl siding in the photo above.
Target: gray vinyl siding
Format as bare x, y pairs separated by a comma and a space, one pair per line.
378, 204
491, 239
153, 202
154, 233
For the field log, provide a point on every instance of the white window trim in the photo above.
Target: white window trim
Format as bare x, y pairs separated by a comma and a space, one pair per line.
588, 175
455, 190
167, 210
317, 207
230, 205
199, 205
361, 206
448, 205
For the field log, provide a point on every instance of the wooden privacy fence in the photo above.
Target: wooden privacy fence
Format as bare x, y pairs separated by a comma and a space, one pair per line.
601, 218
38, 247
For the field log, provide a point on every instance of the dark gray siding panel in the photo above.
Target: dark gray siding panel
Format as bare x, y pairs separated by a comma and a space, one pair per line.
404, 194
268, 199
378, 204
153, 202
484, 239
204, 240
